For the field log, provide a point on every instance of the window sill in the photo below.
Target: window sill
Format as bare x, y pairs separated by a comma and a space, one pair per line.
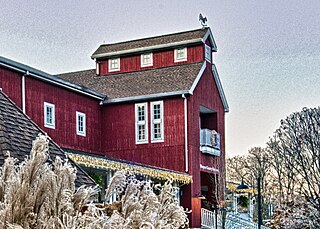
49, 126
180, 60
144, 142
158, 140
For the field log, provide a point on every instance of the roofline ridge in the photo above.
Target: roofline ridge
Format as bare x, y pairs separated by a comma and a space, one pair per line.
64, 73
152, 37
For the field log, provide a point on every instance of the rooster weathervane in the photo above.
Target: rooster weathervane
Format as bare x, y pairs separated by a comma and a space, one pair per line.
203, 20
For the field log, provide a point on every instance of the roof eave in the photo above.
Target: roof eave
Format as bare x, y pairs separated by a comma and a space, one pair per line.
10, 64
196, 81
220, 88
211, 38
146, 97
148, 48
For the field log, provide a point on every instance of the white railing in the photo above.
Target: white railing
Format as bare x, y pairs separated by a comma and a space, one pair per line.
210, 142
208, 219
235, 222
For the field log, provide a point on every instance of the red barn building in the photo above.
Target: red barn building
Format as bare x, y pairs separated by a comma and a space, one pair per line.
154, 106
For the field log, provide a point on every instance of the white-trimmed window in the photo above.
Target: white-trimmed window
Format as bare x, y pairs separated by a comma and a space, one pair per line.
157, 121
208, 53
180, 54
114, 64
146, 59
49, 115
141, 114
81, 123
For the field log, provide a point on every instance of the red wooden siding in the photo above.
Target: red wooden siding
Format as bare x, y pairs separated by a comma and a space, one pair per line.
118, 131
66, 103
160, 59
10, 82
206, 94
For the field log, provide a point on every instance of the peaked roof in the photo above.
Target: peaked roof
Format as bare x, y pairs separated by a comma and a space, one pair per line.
17, 132
152, 83
153, 43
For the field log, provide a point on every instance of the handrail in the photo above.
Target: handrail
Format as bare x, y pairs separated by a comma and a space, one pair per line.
236, 222
208, 219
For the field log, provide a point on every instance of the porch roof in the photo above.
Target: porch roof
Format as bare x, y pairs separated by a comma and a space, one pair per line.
101, 162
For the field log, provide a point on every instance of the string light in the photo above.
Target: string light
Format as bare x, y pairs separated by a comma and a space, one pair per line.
102, 163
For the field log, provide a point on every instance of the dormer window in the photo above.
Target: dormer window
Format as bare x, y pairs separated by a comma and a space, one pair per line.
114, 64
180, 54
146, 59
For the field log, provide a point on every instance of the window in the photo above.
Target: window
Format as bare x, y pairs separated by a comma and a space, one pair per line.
49, 115
146, 60
141, 113
180, 54
114, 64
157, 121
208, 53
81, 123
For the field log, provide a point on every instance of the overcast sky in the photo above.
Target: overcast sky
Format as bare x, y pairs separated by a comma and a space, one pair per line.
268, 51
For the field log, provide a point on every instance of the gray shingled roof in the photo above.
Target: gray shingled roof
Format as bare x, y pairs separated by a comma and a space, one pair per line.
161, 81
17, 132
152, 41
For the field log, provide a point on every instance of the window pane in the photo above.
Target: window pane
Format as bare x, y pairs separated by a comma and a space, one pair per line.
49, 115
80, 123
141, 132
180, 53
156, 131
141, 113
156, 111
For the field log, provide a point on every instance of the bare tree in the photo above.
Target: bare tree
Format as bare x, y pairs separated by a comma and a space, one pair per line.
297, 141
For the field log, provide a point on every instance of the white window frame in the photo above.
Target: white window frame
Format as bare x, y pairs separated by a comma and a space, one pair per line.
112, 68
47, 124
138, 123
146, 64
208, 53
157, 121
81, 132
179, 59
97, 68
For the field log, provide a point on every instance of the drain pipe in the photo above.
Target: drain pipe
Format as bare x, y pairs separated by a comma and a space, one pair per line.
186, 132
23, 91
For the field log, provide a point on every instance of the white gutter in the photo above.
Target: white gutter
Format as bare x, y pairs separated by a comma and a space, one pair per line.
148, 48
144, 97
23, 91
186, 132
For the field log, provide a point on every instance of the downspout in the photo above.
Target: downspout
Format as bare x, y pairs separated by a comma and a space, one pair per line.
186, 132
23, 91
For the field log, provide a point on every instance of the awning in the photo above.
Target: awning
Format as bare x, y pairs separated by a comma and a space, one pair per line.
154, 172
